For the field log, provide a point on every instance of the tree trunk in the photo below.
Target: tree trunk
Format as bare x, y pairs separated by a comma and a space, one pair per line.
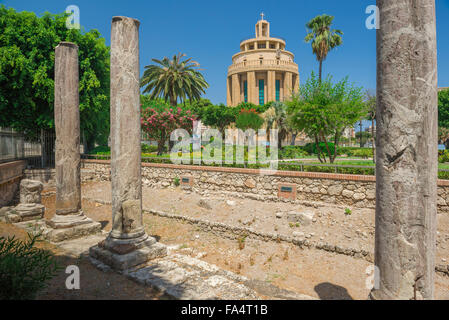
318, 149
173, 101
294, 135
373, 139
406, 166
321, 71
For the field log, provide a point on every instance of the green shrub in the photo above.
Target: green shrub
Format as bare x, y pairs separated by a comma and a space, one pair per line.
363, 153
311, 148
99, 149
24, 269
292, 152
176, 181
443, 156
148, 148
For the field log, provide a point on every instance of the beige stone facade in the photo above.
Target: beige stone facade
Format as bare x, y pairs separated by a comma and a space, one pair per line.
262, 71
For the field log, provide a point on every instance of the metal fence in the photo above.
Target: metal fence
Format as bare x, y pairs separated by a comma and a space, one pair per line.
38, 148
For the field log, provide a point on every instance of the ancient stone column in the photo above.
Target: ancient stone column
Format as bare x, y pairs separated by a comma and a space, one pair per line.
406, 150
128, 244
69, 221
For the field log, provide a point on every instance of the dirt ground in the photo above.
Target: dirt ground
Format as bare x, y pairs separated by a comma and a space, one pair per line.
94, 284
311, 272
332, 225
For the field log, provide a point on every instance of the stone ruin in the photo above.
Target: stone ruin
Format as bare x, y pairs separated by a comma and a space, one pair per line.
30, 207
128, 244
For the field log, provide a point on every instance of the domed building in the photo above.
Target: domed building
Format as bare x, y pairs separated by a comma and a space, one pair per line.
263, 70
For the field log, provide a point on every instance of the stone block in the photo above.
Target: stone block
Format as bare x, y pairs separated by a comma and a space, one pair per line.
30, 191
305, 218
121, 262
78, 231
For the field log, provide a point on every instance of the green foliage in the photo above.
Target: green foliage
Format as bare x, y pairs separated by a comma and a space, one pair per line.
443, 108
27, 53
100, 149
443, 156
322, 109
24, 269
292, 152
348, 212
311, 148
174, 80
176, 181
363, 153
217, 116
249, 119
148, 148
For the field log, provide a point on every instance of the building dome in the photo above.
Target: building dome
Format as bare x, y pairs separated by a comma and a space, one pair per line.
263, 70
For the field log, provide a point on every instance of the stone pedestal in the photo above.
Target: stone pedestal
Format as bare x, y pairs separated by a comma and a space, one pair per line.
69, 221
127, 245
30, 207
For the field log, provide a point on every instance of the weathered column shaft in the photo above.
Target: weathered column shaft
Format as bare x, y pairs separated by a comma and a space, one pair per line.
125, 130
128, 244
67, 125
406, 149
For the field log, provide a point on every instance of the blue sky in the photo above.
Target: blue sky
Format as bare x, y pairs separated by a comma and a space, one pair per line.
210, 31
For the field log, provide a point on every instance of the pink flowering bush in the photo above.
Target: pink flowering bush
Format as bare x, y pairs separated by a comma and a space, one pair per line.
159, 120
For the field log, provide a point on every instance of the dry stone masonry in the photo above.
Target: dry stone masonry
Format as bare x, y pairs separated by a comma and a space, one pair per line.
345, 190
128, 244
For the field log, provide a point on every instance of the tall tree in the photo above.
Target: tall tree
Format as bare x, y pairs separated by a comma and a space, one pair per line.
323, 38
406, 167
323, 110
27, 50
276, 118
174, 80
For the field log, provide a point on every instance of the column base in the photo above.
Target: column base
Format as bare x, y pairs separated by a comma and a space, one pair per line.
122, 255
25, 212
70, 227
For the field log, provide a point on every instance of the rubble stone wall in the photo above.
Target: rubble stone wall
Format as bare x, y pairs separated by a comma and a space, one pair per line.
341, 189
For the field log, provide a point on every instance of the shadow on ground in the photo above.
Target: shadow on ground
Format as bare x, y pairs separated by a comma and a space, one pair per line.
329, 291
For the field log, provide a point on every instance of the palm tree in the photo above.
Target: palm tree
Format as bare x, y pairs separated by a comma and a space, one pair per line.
323, 38
276, 118
174, 79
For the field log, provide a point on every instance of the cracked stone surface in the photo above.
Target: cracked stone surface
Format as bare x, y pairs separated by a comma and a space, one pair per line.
407, 130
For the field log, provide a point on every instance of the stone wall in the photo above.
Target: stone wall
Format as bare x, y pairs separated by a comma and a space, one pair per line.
46, 176
10, 175
340, 189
